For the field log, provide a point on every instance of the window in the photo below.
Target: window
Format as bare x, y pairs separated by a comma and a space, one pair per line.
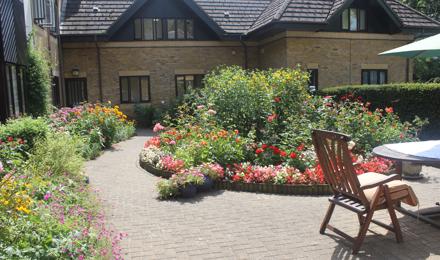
135, 89
171, 29
76, 91
43, 13
374, 76
160, 29
313, 80
354, 19
186, 82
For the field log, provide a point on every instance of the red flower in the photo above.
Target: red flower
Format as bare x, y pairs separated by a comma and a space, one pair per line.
277, 99
10, 139
300, 148
401, 135
20, 141
271, 118
264, 146
292, 155
236, 177
283, 154
389, 110
259, 150
276, 150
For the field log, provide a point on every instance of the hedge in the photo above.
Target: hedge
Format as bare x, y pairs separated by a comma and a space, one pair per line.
407, 99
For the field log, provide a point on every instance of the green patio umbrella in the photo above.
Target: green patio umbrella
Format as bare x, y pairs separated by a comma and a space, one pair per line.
428, 47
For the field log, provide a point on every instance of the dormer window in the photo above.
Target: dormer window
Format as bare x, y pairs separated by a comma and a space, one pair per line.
354, 20
163, 29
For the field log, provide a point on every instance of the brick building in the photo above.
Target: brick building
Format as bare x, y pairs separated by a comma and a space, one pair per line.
139, 51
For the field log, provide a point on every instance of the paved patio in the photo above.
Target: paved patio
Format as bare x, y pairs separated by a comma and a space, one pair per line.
241, 225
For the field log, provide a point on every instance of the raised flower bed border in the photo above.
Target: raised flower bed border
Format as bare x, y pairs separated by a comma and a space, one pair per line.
297, 189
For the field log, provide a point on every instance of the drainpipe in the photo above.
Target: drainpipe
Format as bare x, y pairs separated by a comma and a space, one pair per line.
407, 71
98, 56
61, 69
245, 48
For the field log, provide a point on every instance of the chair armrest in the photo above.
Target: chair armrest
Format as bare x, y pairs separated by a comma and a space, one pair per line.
391, 177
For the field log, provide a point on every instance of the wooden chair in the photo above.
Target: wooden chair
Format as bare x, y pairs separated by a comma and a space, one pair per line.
363, 194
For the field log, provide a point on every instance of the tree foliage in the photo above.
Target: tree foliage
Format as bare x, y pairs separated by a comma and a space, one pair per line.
426, 69
38, 82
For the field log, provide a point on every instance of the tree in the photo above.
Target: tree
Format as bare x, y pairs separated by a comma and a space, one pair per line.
38, 82
426, 69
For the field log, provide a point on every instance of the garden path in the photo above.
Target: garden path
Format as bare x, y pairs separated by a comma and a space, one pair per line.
241, 225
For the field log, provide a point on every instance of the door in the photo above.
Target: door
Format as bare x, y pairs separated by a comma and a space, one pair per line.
76, 91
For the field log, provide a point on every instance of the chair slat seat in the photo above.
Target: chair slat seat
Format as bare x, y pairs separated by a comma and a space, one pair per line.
348, 203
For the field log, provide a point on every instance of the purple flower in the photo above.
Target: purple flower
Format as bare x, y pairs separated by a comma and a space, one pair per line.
47, 196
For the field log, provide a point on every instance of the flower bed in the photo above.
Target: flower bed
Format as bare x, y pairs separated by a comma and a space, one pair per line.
47, 210
256, 126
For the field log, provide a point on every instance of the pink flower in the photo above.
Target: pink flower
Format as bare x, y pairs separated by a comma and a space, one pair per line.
200, 107
158, 127
271, 118
47, 196
211, 112
1, 167
172, 142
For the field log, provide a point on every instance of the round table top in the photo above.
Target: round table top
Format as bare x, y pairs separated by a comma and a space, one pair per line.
385, 152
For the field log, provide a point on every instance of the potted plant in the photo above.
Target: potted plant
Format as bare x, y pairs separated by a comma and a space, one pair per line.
211, 172
187, 181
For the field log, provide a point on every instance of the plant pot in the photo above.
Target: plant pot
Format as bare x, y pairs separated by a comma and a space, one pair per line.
207, 184
411, 171
189, 191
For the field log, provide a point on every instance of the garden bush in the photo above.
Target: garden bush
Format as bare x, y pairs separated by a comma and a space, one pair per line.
47, 210
26, 129
244, 99
99, 125
407, 100
145, 114
256, 125
38, 83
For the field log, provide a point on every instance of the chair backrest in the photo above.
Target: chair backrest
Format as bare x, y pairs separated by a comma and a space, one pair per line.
337, 165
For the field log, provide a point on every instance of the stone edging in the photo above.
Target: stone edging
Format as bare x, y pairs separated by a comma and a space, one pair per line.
298, 189
158, 172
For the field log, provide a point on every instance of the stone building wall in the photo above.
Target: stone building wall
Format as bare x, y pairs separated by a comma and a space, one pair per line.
339, 58
161, 61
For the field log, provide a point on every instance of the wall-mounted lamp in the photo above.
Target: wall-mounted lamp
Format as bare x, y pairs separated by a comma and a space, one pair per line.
75, 72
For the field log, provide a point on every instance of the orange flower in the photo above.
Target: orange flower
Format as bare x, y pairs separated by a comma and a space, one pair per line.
389, 110
203, 143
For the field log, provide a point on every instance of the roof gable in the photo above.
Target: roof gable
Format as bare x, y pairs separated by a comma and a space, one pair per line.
229, 17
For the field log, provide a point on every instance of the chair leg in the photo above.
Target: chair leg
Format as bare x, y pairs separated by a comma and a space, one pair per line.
362, 232
327, 217
392, 212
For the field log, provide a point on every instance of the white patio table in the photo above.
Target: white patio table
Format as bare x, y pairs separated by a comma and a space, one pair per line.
424, 153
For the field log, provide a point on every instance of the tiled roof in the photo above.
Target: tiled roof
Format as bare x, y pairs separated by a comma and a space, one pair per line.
410, 17
242, 13
307, 11
232, 16
78, 16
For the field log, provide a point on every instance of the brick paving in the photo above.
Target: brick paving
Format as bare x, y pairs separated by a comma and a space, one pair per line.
242, 225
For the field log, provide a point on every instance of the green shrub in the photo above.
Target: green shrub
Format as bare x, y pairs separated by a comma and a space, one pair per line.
244, 99
407, 100
58, 154
38, 82
26, 128
98, 125
145, 114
